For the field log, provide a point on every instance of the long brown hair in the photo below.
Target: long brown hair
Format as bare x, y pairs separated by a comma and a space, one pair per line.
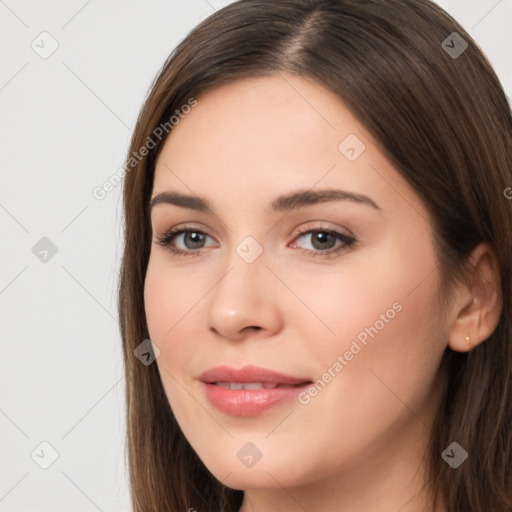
442, 120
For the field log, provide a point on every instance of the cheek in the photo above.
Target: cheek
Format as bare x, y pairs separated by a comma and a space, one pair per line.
386, 299
157, 298
390, 342
387, 342
386, 295
171, 302
169, 297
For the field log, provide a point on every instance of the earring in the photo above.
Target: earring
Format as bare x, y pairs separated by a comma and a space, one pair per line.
468, 340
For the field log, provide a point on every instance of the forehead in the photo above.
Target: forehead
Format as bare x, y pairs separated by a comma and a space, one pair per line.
258, 125
253, 110
263, 136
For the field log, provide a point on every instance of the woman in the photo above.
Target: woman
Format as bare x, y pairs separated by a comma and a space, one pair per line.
317, 244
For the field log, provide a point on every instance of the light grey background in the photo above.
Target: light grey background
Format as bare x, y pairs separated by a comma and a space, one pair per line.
65, 124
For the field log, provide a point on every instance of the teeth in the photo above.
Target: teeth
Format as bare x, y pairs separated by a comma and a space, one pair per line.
246, 385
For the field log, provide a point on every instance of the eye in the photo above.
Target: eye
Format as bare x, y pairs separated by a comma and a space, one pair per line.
192, 240
325, 241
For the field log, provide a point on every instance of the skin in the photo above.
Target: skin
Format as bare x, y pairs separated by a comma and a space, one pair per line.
358, 445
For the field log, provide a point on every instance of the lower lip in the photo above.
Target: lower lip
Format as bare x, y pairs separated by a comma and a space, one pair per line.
249, 402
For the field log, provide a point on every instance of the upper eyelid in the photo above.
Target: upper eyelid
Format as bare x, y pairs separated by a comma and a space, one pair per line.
304, 230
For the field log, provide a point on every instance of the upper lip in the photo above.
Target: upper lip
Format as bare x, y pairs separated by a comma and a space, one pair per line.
249, 373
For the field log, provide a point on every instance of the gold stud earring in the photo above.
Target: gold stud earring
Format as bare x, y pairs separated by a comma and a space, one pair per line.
468, 340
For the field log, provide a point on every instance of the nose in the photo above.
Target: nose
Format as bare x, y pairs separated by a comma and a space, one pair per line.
242, 303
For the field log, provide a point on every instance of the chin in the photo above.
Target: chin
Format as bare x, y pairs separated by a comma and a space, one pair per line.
251, 478
276, 472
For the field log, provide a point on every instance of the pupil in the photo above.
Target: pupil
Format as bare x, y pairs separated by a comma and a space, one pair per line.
191, 236
322, 237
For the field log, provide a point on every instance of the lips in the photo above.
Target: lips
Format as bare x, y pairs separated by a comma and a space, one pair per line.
249, 374
250, 390
252, 385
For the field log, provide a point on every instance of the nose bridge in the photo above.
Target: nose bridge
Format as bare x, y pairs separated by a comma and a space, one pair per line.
240, 298
245, 267
249, 250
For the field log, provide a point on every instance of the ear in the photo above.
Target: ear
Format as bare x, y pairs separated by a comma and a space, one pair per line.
479, 302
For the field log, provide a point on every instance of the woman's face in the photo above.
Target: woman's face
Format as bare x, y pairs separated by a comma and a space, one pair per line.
338, 294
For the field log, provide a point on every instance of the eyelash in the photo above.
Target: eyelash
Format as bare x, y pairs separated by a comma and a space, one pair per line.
348, 241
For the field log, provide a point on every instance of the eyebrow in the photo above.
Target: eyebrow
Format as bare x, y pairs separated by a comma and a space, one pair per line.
287, 202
